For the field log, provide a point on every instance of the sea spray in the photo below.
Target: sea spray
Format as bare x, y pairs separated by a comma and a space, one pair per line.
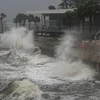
19, 38
73, 71
62, 67
65, 67
66, 45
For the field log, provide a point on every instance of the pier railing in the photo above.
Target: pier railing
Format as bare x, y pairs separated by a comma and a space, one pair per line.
50, 28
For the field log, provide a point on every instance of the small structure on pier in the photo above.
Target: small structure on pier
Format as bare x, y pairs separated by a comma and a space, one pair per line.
51, 22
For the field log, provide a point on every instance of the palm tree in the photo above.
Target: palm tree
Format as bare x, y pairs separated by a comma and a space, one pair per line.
30, 19
24, 18
15, 20
2, 16
36, 19
21, 18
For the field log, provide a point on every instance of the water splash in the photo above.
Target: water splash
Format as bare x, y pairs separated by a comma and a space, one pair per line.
73, 71
66, 44
19, 38
66, 67
64, 47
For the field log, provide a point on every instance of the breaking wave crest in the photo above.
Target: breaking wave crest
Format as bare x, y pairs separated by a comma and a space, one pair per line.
19, 38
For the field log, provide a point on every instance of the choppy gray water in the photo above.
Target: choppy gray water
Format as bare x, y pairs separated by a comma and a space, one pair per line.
28, 75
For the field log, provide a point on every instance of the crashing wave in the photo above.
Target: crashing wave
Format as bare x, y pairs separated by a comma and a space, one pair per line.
19, 38
21, 90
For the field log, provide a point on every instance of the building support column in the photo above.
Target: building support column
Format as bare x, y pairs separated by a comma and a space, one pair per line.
44, 20
41, 19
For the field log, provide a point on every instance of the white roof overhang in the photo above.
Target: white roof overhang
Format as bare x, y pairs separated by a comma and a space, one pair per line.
57, 11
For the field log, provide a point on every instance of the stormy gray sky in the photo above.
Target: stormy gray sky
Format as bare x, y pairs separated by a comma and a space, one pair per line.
12, 7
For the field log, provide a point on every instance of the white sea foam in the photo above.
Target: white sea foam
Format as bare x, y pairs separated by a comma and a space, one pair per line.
22, 90
42, 68
73, 71
19, 38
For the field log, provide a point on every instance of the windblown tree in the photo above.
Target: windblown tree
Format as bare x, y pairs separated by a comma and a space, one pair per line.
2, 16
36, 20
30, 19
87, 9
91, 8
69, 18
21, 19
15, 20
77, 2
65, 4
83, 9
51, 7
25, 17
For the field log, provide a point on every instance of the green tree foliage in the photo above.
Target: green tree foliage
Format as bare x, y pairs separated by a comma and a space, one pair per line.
88, 9
2, 16
21, 19
69, 18
15, 21
30, 19
84, 8
61, 6
51, 7
77, 2
24, 17
65, 4
81, 14
36, 19
91, 7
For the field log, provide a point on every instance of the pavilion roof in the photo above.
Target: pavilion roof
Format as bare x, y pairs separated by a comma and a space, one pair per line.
55, 11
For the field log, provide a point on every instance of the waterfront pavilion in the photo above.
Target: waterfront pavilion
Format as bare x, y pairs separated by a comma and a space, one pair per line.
51, 21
